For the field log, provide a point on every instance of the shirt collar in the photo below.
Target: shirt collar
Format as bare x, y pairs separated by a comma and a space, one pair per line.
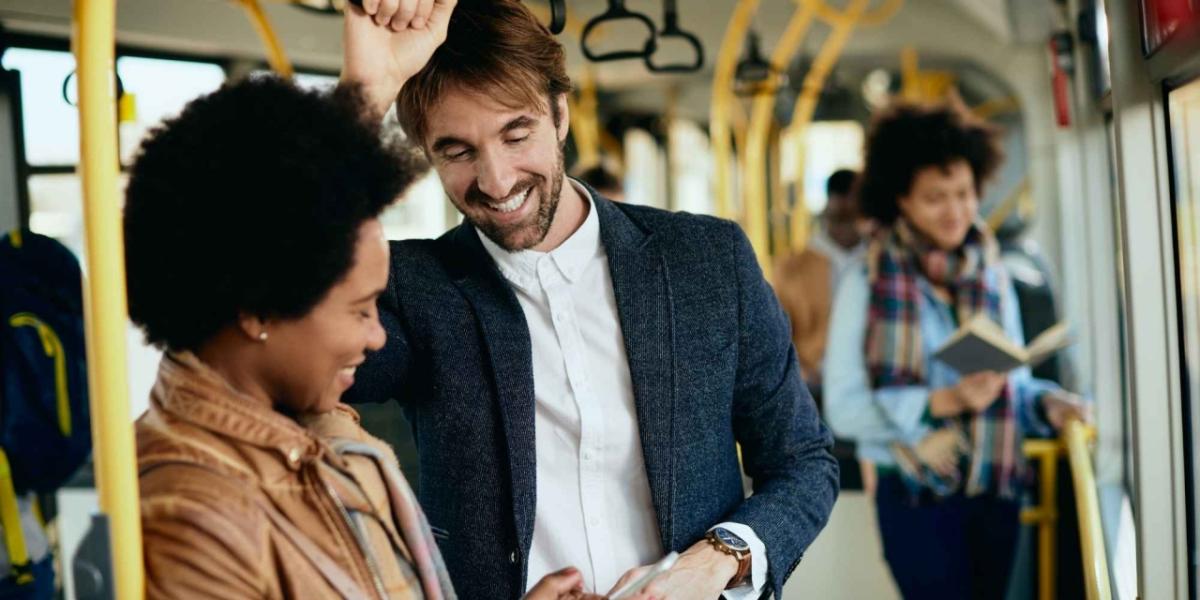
570, 257
824, 243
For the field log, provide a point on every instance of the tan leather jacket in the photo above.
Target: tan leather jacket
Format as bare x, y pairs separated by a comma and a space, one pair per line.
239, 501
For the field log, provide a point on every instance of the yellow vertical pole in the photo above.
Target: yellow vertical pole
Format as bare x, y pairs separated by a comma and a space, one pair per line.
585, 124
1045, 514
723, 101
741, 122
1048, 531
275, 54
104, 294
843, 24
759, 133
778, 213
910, 72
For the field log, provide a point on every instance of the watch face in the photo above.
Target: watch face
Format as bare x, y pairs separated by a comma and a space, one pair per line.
728, 538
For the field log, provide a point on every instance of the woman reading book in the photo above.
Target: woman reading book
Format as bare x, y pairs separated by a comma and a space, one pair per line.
946, 445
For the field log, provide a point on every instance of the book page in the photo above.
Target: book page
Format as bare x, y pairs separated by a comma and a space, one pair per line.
983, 327
980, 345
1050, 341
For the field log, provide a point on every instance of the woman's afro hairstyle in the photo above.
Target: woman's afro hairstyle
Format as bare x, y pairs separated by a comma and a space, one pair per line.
250, 202
907, 138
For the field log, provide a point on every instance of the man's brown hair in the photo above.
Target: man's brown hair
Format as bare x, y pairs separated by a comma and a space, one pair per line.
493, 47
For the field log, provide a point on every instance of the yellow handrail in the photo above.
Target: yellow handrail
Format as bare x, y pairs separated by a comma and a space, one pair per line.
1020, 201
920, 85
723, 102
1087, 505
757, 181
1074, 441
759, 131
1045, 514
104, 294
844, 23
990, 109
275, 54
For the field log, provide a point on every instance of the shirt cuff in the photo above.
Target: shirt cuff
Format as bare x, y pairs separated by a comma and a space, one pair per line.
1029, 408
758, 564
905, 407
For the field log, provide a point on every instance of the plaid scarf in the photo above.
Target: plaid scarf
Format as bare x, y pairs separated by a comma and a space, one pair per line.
895, 352
410, 520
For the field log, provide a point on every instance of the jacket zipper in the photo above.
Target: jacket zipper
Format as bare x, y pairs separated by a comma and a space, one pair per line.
358, 538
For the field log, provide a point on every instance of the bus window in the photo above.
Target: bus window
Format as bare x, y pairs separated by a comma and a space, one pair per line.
159, 88
840, 144
1183, 105
50, 124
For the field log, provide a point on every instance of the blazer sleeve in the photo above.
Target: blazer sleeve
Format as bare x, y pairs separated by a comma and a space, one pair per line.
381, 377
785, 447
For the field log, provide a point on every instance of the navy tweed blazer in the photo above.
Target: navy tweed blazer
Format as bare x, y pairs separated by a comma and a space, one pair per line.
712, 363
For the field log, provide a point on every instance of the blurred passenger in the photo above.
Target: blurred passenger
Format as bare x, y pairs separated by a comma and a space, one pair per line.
605, 181
805, 281
44, 414
255, 256
578, 371
947, 447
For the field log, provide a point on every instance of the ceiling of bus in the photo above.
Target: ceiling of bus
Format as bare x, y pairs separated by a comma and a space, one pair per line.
987, 33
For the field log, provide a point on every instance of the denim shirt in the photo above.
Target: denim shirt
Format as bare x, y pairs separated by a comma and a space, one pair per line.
876, 418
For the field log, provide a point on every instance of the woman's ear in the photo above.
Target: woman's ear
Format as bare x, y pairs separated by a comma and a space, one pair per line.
902, 205
253, 327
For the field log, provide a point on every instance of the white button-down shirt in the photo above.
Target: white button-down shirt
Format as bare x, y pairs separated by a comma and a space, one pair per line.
594, 509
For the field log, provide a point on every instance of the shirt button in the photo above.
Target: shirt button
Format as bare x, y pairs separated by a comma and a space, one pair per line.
594, 522
560, 317
587, 455
512, 558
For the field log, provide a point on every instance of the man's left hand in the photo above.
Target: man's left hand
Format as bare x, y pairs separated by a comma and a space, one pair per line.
701, 573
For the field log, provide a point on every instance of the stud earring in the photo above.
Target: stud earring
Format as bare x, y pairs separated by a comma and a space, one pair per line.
262, 336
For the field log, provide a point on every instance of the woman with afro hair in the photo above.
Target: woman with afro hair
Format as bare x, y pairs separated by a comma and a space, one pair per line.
255, 256
947, 446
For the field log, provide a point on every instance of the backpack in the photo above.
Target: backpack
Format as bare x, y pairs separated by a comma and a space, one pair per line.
45, 430
45, 425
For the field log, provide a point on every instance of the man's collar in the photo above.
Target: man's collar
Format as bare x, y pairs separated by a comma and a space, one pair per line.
571, 257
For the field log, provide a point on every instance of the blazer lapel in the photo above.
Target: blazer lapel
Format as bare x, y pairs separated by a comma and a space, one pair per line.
641, 285
509, 350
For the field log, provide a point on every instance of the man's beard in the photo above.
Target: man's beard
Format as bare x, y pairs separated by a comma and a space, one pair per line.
509, 236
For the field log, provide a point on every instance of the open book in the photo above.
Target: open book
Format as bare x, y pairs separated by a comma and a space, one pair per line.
981, 345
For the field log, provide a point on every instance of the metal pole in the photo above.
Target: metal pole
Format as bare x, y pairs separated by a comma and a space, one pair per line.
104, 294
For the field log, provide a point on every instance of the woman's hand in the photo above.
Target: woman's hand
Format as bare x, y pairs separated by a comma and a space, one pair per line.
567, 584
978, 391
972, 393
1061, 407
940, 450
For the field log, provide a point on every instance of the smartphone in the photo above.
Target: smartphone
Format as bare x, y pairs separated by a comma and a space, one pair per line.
638, 584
